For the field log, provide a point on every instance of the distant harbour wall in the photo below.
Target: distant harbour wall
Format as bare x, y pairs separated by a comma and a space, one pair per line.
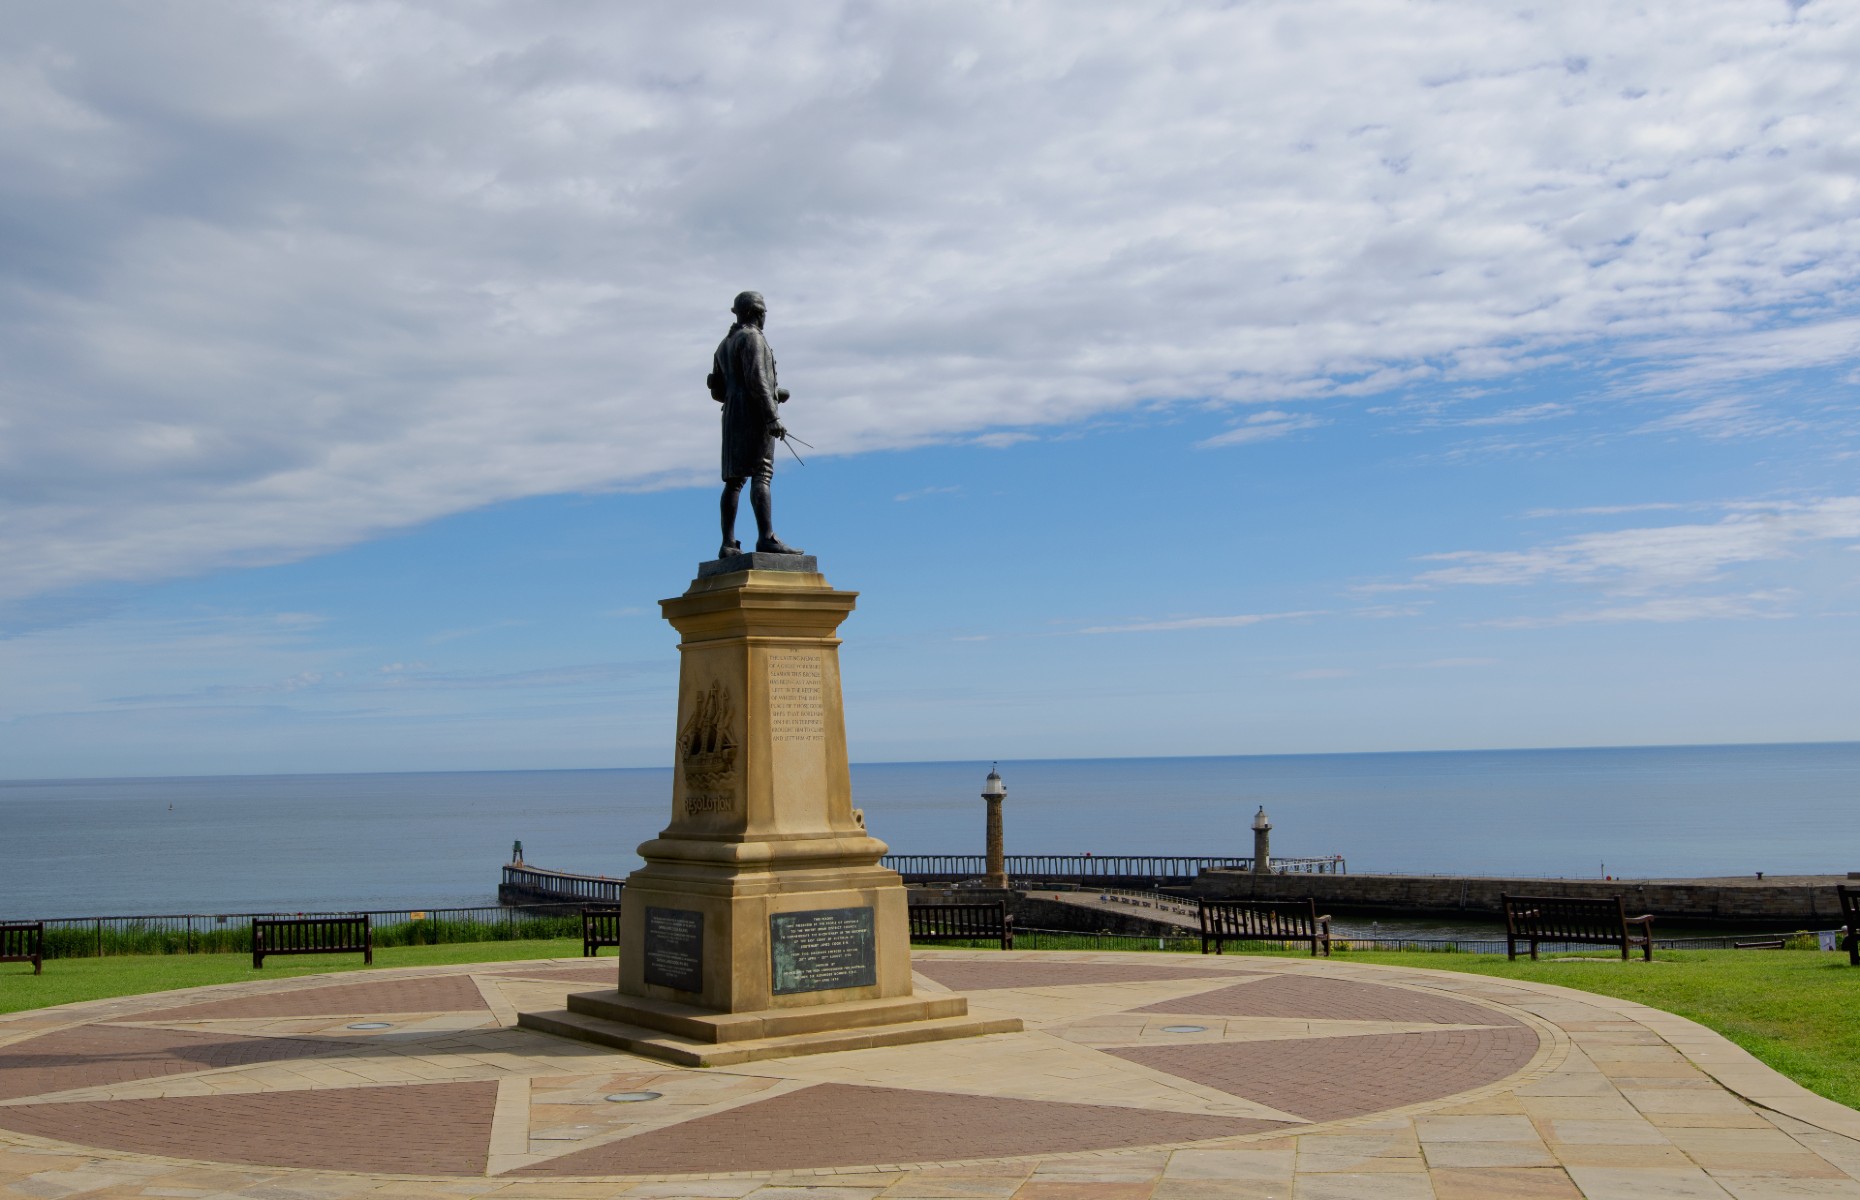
1804, 900
1808, 899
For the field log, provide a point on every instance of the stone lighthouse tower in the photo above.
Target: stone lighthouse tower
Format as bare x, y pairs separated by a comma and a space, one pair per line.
994, 792
1262, 842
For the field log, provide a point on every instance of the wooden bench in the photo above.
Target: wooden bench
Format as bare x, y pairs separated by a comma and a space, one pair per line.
1850, 917
599, 927
1584, 920
312, 935
24, 942
962, 923
1224, 921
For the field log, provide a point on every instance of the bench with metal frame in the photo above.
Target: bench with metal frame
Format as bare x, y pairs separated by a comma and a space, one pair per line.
312, 935
24, 941
1850, 917
1224, 921
962, 923
599, 927
1584, 920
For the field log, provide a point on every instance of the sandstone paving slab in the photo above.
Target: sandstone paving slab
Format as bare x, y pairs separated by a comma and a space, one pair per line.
982, 975
1509, 1183
1101, 1099
1025, 1066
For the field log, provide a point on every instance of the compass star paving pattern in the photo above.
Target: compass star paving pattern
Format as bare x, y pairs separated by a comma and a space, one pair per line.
1147, 1076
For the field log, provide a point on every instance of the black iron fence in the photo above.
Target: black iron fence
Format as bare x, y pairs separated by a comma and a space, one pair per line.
214, 933
208, 933
1190, 943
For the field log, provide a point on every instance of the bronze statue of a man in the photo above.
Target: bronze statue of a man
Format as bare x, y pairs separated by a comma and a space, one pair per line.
742, 379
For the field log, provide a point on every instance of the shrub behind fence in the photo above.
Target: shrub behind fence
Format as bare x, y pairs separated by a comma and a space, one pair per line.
231, 933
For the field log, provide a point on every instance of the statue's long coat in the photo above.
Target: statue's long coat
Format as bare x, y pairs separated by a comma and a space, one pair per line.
743, 379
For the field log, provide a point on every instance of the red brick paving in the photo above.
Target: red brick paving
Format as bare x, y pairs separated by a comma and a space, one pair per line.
1311, 998
844, 1125
427, 1128
92, 1055
964, 976
434, 993
1327, 1079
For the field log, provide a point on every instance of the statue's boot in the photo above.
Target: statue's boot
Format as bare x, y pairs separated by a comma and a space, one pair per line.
770, 544
730, 549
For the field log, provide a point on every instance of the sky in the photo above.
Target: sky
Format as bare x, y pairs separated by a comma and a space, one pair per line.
1182, 378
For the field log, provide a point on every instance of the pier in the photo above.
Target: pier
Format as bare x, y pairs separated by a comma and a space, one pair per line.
524, 884
1807, 900
1096, 870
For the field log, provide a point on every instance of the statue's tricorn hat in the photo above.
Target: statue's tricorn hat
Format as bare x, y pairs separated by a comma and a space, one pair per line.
747, 300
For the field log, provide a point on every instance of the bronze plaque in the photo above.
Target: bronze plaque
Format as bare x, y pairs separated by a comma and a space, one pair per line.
675, 948
823, 949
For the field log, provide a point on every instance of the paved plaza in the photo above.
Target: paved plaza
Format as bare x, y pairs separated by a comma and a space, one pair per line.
1138, 1077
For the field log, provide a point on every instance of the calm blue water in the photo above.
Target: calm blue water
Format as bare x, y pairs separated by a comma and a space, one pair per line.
308, 842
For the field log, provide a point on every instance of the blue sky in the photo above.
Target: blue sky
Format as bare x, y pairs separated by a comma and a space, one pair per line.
1214, 379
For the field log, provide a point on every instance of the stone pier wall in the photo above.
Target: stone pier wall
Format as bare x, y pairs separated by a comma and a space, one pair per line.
1809, 899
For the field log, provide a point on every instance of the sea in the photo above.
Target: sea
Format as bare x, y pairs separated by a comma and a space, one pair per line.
300, 843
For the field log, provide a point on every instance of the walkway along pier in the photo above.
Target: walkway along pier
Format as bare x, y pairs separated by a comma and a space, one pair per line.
1095, 870
536, 885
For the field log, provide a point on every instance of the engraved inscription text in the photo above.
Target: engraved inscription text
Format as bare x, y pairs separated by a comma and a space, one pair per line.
675, 948
822, 950
796, 708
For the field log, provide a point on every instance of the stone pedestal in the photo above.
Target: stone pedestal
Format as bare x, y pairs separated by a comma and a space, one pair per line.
762, 924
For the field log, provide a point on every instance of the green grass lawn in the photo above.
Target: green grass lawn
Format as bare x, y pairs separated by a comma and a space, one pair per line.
1797, 1010
69, 979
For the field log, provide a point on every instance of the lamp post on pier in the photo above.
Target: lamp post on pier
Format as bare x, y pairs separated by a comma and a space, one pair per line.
994, 792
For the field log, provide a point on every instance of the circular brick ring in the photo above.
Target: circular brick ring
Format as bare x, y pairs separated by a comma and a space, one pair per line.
423, 1073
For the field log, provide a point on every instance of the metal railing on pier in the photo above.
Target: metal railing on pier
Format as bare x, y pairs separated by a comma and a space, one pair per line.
523, 884
1092, 868
526, 884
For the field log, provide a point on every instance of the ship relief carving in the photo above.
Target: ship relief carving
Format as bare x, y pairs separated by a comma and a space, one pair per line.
707, 749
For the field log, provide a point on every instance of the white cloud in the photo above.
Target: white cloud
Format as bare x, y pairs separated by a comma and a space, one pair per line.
1522, 415
1389, 612
1262, 426
1663, 610
1322, 673
1236, 621
1723, 417
1001, 440
1730, 354
283, 277
1605, 510
925, 492
1638, 560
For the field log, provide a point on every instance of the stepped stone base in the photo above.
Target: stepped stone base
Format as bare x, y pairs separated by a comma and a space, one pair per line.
694, 1037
